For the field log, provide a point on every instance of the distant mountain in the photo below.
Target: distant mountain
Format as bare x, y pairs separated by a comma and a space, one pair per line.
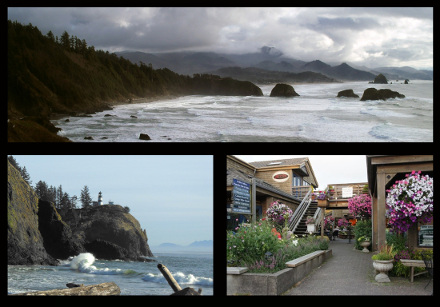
405, 72
341, 72
205, 246
263, 76
269, 59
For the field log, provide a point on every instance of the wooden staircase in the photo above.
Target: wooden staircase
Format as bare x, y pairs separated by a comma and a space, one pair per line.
301, 229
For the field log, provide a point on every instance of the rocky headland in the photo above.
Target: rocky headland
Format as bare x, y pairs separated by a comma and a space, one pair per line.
39, 234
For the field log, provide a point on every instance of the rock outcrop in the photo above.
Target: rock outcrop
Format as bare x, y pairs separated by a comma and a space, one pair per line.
25, 242
283, 90
109, 232
38, 234
347, 93
383, 94
380, 79
58, 239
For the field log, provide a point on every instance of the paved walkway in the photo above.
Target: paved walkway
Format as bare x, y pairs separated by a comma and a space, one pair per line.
351, 272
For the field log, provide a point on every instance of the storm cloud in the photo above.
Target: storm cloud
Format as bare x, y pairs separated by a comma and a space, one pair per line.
380, 36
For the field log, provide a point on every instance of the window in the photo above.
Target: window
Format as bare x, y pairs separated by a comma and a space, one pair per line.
296, 180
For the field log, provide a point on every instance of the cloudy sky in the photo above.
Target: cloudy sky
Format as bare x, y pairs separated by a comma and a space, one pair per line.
170, 196
365, 36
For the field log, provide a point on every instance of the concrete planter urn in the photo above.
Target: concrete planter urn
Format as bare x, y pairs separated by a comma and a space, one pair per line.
383, 266
365, 245
310, 228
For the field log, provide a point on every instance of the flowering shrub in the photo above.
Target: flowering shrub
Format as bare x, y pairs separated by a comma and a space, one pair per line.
328, 222
261, 248
252, 242
321, 195
278, 213
410, 201
310, 220
343, 223
360, 206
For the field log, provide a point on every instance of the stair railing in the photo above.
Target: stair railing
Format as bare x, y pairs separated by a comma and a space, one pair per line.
318, 217
299, 212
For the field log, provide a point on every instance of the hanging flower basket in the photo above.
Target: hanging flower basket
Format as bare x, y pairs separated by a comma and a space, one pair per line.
410, 201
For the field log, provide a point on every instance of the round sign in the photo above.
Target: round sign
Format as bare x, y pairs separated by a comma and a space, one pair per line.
280, 176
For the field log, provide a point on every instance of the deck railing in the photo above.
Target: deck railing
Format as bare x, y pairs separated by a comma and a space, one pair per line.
300, 191
356, 189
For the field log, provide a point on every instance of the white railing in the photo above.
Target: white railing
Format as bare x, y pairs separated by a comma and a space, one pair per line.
299, 212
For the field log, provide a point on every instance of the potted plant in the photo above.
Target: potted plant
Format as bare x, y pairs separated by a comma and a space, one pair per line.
331, 190
313, 195
383, 262
322, 199
364, 242
310, 222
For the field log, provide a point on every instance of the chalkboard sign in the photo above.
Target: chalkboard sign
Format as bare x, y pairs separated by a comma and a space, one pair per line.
426, 236
241, 197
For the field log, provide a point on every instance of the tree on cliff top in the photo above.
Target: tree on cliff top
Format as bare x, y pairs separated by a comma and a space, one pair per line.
86, 200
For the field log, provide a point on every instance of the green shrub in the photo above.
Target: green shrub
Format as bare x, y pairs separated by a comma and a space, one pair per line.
362, 228
261, 248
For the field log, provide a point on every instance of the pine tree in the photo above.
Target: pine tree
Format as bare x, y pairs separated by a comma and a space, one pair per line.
25, 175
86, 200
65, 40
50, 36
42, 190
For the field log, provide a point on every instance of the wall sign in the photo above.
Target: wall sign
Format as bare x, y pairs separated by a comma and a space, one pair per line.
280, 176
426, 236
241, 197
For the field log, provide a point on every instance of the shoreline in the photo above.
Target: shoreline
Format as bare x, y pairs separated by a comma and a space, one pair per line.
109, 105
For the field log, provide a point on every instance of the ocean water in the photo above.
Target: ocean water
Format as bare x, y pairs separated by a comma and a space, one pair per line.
133, 278
316, 116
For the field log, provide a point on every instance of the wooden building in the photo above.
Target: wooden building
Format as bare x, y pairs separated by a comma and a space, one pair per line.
285, 180
383, 171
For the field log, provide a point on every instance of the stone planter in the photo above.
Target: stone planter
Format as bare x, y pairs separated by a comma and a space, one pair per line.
310, 228
241, 282
365, 245
383, 266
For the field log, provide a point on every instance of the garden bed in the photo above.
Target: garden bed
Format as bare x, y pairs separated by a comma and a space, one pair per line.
239, 282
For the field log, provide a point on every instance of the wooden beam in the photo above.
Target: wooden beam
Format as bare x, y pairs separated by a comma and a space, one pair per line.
380, 214
401, 159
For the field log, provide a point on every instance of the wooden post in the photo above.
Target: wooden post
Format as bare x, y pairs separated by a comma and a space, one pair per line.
170, 279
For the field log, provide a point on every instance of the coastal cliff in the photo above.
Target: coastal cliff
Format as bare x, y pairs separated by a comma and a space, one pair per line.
109, 232
38, 234
46, 79
25, 242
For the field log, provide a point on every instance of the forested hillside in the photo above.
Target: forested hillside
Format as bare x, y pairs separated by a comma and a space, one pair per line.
48, 75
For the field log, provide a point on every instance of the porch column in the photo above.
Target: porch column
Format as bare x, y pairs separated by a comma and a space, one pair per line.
380, 212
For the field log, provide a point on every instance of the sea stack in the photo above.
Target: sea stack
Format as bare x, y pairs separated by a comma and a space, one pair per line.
283, 90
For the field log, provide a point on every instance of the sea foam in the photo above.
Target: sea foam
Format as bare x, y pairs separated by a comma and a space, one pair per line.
84, 264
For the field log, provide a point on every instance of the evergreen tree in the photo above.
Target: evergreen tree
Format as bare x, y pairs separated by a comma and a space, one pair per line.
65, 40
59, 197
14, 162
86, 200
42, 190
51, 194
25, 175
50, 36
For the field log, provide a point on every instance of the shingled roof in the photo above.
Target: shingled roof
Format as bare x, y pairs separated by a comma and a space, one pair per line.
283, 162
302, 164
